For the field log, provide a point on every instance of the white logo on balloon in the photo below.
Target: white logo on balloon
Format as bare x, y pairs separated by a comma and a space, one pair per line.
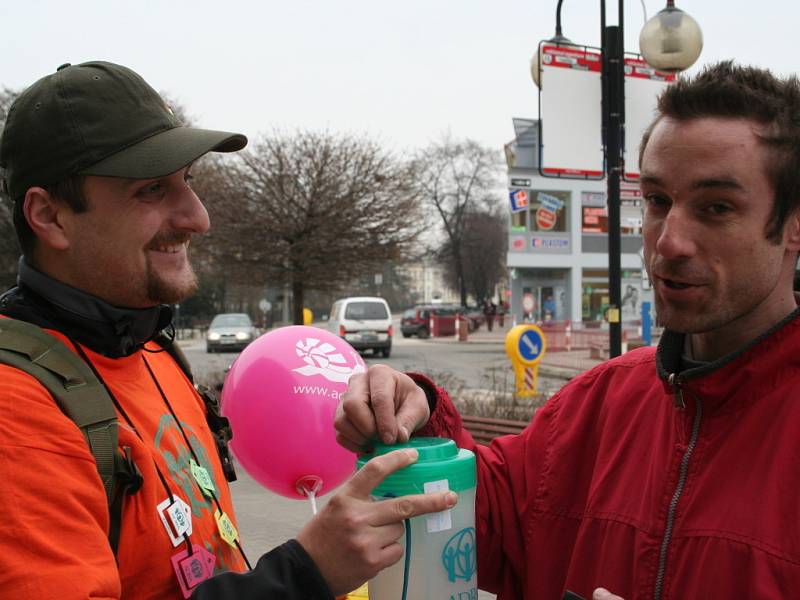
325, 360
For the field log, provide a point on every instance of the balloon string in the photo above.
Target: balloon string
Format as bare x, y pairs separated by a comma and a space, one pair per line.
313, 498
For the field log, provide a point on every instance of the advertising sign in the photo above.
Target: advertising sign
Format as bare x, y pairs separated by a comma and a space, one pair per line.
550, 243
520, 199
570, 111
643, 85
547, 213
518, 243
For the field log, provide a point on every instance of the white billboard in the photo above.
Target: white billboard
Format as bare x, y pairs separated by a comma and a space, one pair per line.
643, 85
570, 110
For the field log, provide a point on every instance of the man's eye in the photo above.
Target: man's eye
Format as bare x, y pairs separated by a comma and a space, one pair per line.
656, 200
148, 190
719, 209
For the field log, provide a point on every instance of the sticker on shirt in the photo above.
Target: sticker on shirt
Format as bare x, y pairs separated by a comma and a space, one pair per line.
226, 529
176, 516
193, 569
441, 521
202, 478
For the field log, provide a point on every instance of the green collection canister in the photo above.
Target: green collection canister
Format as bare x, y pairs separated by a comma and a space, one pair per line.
440, 557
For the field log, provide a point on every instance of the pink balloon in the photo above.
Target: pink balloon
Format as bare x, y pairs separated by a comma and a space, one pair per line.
280, 396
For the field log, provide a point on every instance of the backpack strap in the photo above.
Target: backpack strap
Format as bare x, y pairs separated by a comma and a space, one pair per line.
82, 397
71, 382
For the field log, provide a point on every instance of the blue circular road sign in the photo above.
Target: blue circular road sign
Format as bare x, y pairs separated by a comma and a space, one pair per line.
530, 345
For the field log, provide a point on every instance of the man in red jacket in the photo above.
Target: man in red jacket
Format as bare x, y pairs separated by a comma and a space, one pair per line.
667, 473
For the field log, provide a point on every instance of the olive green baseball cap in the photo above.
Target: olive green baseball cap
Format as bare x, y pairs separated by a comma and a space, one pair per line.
98, 118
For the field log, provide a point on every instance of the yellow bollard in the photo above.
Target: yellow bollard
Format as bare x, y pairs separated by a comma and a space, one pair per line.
308, 316
525, 346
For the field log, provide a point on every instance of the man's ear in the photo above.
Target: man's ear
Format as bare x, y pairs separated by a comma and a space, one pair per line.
45, 216
792, 231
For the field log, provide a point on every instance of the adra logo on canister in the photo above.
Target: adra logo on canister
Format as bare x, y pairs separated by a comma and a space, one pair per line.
459, 557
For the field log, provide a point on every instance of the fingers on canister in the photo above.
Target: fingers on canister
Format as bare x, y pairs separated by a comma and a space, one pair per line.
407, 507
414, 411
356, 409
376, 470
382, 390
347, 434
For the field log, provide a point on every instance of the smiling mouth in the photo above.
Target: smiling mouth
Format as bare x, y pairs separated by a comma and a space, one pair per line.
676, 285
171, 248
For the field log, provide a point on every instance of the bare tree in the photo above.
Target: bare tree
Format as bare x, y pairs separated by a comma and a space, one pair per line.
312, 210
9, 248
457, 178
483, 251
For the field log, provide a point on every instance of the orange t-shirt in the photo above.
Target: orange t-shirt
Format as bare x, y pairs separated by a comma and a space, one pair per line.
53, 510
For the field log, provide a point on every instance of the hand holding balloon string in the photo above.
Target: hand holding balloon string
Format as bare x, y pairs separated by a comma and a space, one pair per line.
353, 538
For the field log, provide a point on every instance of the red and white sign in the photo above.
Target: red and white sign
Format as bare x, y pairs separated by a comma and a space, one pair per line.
545, 219
528, 303
637, 67
571, 58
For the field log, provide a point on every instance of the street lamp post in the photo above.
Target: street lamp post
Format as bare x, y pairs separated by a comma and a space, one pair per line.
613, 82
670, 41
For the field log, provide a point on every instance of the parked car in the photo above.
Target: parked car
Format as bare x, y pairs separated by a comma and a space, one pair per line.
417, 320
365, 322
230, 331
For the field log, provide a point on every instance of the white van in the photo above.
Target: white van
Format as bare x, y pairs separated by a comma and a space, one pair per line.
365, 322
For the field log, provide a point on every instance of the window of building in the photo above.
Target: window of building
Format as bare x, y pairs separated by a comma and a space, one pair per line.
594, 215
549, 211
519, 220
595, 294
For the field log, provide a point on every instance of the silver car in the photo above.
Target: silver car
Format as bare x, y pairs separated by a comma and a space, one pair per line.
230, 331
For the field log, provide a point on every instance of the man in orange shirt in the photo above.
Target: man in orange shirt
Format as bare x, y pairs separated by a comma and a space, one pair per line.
98, 169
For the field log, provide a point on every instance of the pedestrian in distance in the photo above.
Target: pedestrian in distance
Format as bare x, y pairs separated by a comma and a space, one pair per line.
667, 472
501, 312
124, 492
548, 308
489, 312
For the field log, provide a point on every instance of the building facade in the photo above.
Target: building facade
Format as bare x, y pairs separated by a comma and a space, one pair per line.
426, 283
558, 241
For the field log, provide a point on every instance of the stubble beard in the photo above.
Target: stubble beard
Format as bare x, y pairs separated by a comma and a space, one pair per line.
163, 291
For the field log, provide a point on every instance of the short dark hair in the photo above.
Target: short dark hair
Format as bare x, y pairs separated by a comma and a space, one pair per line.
69, 190
733, 91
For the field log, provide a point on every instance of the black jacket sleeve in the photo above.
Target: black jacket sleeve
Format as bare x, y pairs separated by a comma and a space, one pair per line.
285, 573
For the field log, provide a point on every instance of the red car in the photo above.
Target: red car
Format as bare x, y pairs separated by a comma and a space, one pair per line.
417, 320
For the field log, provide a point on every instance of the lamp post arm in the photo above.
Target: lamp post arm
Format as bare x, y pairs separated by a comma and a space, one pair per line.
558, 18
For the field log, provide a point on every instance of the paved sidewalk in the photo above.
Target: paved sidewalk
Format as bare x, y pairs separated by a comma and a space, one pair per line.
561, 364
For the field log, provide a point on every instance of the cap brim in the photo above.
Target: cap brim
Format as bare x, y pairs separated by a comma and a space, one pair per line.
165, 153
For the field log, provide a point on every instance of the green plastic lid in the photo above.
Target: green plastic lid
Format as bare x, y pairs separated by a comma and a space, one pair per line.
439, 458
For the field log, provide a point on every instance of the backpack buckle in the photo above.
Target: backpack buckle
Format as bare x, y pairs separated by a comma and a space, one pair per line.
128, 474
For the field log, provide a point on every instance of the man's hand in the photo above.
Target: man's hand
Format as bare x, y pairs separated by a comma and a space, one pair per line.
353, 537
380, 404
604, 594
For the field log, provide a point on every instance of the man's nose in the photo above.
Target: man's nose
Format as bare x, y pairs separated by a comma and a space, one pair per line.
190, 214
676, 236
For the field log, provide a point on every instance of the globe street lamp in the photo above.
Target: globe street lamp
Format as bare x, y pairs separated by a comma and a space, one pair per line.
670, 41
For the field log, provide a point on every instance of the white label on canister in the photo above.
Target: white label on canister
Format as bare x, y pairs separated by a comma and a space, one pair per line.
441, 521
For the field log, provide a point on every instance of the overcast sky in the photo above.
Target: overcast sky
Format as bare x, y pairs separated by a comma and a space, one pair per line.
402, 72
